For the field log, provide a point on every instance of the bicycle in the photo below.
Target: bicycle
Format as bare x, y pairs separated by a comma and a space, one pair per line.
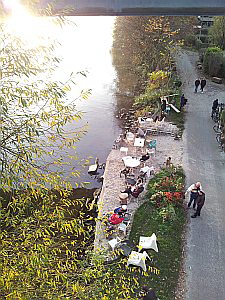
215, 115
221, 141
217, 127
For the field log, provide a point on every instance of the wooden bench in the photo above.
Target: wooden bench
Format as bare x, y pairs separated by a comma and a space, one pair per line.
217, 80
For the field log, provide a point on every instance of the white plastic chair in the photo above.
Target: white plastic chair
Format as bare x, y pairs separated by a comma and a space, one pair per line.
124, 149
130, 137
114, 242
152, 152
138, 259
148, 242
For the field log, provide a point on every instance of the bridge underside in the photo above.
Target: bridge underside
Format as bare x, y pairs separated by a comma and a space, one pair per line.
137, 7
129, 7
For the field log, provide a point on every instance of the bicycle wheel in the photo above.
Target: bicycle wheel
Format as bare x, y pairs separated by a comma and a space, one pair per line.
217, 128
218, 139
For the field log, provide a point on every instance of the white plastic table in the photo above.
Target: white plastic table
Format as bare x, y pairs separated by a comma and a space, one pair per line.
131, 162
138, 142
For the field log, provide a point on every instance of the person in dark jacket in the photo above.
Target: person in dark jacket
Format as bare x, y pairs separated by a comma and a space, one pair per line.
214, 107
182, 101
147, 294
200, 200
197, 83
145, 157
203, 84
163, 105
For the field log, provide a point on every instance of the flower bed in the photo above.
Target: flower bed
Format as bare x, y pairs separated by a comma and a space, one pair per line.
166, 191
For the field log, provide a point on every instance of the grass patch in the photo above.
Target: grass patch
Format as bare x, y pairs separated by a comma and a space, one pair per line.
169, 236
177, 118
164, 215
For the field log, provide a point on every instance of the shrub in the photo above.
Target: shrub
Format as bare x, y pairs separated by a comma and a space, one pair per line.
214, 62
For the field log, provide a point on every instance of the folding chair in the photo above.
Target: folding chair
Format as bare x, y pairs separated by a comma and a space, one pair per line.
152, 147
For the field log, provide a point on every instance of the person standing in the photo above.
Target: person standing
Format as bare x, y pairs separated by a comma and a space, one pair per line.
193, 190
147, 294
200, 201
163, 105
214, 107
182, 101
197, 83
203, 84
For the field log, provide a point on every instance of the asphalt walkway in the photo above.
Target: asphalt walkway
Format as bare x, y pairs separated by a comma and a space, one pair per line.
204, 162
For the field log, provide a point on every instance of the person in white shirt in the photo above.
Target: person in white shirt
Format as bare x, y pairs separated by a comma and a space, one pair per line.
193, 190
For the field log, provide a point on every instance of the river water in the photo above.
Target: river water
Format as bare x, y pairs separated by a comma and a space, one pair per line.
87, 47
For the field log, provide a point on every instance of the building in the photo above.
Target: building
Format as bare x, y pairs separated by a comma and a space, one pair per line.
205, 22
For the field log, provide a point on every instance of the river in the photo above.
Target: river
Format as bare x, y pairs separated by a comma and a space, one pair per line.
86, 46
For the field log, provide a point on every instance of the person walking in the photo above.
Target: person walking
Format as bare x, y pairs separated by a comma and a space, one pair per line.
197, 83
193, 190
200, 201
203, 84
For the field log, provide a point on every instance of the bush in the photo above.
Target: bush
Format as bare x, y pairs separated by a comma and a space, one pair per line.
214, 62
193, 41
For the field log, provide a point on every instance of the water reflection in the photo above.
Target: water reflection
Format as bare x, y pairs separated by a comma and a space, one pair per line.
87, 47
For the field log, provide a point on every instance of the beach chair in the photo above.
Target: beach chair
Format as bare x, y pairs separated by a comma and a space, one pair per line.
148, 243
138, 259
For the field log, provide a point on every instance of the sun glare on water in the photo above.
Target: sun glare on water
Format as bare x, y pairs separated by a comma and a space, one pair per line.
25, 25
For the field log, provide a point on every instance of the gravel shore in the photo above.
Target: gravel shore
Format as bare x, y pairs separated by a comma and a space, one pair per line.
113, 184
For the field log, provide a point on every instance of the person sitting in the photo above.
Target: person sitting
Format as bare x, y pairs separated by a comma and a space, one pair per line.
142, 175
120, 210
115, 219
145, 157
128, 189
138, 189
125, 172
168, 162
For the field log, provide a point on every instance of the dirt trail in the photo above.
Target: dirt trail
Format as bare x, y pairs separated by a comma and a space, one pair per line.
203, 161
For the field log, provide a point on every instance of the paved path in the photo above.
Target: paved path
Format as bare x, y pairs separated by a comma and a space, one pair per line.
203, 161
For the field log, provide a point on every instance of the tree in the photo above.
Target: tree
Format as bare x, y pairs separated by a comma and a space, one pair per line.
33, 116
143, 44
217, 32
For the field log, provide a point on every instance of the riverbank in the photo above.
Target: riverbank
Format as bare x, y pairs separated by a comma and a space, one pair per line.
113, 184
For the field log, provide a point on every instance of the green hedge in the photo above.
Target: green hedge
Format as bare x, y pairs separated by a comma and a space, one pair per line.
214, 62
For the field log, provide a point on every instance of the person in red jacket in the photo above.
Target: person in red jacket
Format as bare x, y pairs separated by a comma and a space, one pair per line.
200, 201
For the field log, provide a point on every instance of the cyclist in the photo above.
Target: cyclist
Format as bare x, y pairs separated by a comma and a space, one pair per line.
214, 107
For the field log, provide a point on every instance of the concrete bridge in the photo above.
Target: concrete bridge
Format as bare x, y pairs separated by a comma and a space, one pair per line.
139, 7
135, 7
